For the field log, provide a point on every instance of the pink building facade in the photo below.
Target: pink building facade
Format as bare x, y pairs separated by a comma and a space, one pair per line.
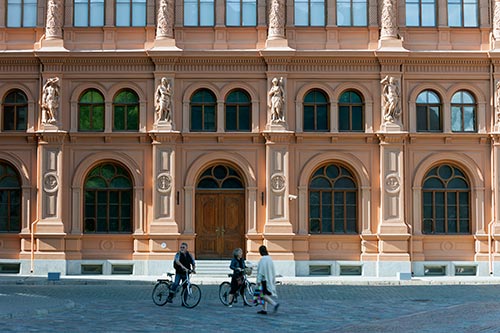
351, 138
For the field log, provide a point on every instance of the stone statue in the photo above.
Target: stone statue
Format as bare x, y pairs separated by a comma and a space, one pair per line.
390, 99
50, 100
277, 19
277, 100
165, 25
389, 28
496, 20
53, 27
163, 101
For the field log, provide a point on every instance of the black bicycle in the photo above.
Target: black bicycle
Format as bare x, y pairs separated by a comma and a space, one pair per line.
190, 295
246, 290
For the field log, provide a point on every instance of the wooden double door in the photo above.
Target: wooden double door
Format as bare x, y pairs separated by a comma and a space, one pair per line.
220, 223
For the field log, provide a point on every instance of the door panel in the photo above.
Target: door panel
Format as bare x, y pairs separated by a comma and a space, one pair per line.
220, 224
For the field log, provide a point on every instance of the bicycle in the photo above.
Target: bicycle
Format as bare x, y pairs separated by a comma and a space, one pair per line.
190, 295
246, 290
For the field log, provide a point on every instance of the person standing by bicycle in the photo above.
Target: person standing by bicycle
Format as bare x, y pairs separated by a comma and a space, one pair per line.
183, 263
266, 280
238, 266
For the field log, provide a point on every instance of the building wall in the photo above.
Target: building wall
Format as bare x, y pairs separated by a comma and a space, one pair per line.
388, 159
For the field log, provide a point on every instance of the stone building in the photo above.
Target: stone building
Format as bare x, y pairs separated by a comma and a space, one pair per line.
350, 137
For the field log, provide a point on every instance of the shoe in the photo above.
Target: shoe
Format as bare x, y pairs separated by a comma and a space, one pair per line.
262, 312
229, 305
276, 307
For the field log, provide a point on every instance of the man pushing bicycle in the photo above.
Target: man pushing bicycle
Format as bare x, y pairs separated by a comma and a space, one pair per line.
184, 264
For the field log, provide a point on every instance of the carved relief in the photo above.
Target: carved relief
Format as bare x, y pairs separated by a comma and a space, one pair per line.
50, 100
389, 26
496, 20
392, 184
278, 183
165, 27
163, 101
276, 101
277, 19
53, 27
50, 182
164, 182
390, 99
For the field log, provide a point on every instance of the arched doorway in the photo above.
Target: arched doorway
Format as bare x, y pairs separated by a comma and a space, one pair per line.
220, 213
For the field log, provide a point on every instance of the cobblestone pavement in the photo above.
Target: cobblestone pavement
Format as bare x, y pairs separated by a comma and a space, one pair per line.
318, 308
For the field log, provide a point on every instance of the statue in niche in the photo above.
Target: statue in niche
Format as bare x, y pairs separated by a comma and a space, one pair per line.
390, 99
277, 100
163, 101
50, 100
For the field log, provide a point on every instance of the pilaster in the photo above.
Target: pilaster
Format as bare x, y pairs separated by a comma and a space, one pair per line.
165, 196
392, 231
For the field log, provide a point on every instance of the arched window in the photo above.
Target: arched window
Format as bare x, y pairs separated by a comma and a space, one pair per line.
108, 200
220, 177
316, 111
463, 112
126, 111
15, 111
446, 201
91, 111
429, 112
238, 111
333, 201
351, 112
203, 111
10, 199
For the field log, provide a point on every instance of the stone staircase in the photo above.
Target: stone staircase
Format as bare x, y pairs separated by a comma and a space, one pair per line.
216, 268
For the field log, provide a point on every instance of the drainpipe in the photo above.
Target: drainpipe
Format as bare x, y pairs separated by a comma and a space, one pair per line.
33, 246
490, 254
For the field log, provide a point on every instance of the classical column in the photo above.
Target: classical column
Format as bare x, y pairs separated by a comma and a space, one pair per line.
165, 25
276, 34
493, 227
389, 36
54, 24
496, 25
392, 231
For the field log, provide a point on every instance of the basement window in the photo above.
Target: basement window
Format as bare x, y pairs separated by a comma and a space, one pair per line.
122, 269
320, 270
434, 270
10, 268
92, 269
466, 270
350, 270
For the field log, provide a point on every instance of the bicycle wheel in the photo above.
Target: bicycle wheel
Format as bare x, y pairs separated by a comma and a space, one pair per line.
248, 294
191, 296
224, 289
160, 293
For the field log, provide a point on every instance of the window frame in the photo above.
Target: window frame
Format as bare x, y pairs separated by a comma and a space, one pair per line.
199, 13
15, 111
350, 106
428, 107
108, 191
421, 11
446, 207
22, 17
11, 190
463, 13
352, 12
204, 106
91, 113
311, 18
126, 114
242, 11
314, 105
345, 172
89, 6
462, 113
131, 5
238, 106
